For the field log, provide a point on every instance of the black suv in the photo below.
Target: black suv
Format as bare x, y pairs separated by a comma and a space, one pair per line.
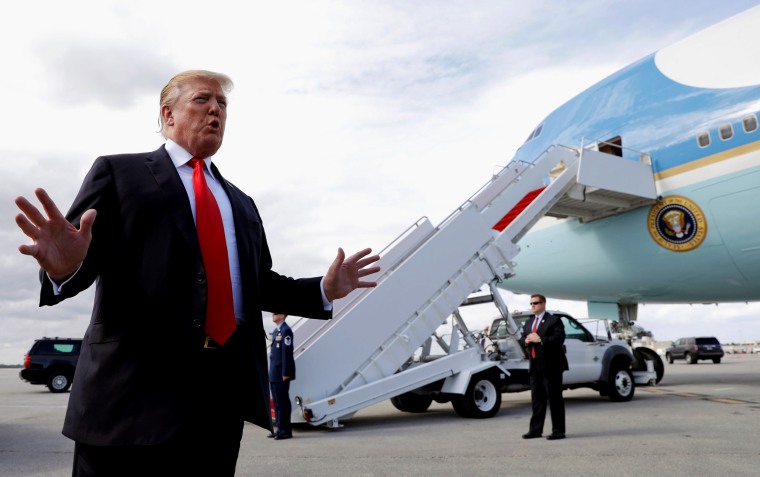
52, 362
692, 349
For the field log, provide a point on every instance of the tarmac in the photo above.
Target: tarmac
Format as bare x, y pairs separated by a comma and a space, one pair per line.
701, 419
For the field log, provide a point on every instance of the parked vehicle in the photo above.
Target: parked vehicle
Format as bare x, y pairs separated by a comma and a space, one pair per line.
52, 362
596, 360
693, 349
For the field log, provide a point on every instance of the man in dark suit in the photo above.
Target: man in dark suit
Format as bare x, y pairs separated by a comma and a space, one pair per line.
158, 389
282, 370
544, 338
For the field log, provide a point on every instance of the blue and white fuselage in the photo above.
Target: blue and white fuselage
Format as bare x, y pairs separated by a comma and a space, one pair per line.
693, 109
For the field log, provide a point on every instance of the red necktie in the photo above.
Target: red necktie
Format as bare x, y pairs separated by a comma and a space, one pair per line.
220, 311
535, 327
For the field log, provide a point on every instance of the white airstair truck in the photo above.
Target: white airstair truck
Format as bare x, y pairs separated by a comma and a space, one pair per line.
366, 353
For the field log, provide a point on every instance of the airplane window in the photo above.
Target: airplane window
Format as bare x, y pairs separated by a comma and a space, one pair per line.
703, 139
535, 132
750, 123
726, 132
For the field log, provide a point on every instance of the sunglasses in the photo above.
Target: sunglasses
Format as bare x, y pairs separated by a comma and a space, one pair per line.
535, 303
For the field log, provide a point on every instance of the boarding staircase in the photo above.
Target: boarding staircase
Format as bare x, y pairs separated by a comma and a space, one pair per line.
356, 359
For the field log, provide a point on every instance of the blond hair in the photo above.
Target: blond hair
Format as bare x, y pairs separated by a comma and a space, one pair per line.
170, 92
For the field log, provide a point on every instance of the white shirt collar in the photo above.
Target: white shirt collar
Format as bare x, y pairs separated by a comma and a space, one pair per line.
180, 156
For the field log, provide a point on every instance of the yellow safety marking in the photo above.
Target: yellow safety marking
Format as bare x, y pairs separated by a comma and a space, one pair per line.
689, 395
698, 396
729, 401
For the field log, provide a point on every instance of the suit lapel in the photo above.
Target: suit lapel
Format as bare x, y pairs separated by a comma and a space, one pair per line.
544, 323
174, 193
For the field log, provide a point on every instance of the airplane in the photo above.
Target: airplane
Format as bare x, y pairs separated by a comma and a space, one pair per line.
691, 110
638, 190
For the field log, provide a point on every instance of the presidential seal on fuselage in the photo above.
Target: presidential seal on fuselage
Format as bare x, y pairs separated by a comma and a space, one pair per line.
677, 224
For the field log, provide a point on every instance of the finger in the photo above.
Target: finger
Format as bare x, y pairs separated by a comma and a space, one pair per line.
31, 212
86, 221
366, 261
358, 255
29, 229
340, 257
47, 203
28, 249
366, 284
368, 271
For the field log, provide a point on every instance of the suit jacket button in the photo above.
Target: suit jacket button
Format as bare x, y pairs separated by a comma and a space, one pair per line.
197, 323
200, 278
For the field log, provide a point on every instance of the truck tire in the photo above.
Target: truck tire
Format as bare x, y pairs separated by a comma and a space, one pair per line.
641, 355
59, 382
669, 357
481, 400
691, 358
411, 402
620, 385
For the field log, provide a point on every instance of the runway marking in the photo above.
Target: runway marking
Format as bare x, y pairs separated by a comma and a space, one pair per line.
704, 397
657, 391
729, 401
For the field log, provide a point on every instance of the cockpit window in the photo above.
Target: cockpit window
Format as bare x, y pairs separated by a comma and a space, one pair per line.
726, 132
749, 123
536, 132
703, 139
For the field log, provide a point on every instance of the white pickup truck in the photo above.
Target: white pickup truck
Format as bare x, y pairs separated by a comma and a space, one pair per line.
596, 360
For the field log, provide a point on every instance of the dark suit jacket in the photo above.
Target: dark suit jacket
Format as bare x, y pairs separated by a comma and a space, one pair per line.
132, 380
281, 362
550, 353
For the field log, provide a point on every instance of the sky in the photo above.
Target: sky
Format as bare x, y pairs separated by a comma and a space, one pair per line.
349, 120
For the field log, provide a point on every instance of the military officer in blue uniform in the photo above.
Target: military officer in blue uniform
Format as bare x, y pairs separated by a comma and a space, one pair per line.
282, 370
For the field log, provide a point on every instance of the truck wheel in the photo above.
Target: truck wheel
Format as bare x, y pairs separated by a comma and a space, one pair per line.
716, 360
59, 382
641, 355
620, 386
481, 400
691, 358
669, 357
411, 402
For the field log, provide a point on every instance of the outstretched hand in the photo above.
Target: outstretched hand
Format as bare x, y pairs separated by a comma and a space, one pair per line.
58, 246
344, 273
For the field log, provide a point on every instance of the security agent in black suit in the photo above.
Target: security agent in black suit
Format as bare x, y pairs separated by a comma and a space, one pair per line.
282, 370
152, 395
544, 338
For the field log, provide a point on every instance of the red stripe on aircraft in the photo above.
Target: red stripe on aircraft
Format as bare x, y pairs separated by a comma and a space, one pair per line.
517, 209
